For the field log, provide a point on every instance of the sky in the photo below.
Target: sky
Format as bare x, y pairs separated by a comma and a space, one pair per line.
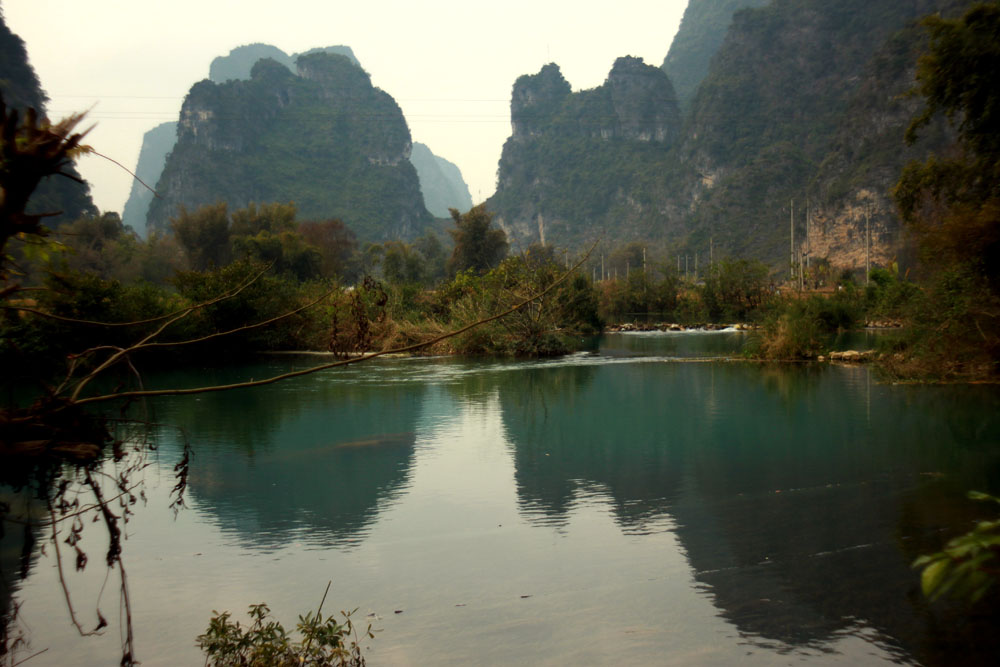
449, 64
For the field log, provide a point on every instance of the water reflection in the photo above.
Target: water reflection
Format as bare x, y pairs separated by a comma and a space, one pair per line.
314, 460
607, 508
785, 487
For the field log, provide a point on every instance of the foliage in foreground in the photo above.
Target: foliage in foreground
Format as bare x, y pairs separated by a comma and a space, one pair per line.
968, 565
321, 641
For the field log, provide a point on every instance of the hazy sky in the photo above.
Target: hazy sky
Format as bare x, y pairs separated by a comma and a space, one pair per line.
449, 64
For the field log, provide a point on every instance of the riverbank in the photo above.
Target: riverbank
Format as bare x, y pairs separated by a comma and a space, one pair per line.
673, 326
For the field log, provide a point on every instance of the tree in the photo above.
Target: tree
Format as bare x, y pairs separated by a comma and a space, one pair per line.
204, 235
952, 201
435, 259
477, 247
337, 246
734, 288
274, 218
31, 149
402, 264
51, 443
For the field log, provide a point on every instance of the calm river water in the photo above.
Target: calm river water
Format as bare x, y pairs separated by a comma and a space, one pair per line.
636, 505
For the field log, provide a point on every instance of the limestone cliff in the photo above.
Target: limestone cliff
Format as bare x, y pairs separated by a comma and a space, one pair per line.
441, 181
577, 164
323, 137
156, 145
702, 30
800, 104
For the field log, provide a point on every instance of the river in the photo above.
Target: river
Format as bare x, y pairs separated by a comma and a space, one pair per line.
646, 503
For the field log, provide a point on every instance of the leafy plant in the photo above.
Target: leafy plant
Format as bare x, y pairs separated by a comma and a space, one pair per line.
968, 565
322, 641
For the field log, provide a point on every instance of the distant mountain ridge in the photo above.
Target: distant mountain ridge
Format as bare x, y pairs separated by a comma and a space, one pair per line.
324, 138
238, 63
702, 31
441, 181
798, 102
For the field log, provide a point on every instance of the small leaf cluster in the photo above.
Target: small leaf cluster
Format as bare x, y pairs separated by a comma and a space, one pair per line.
968, 565
322, 641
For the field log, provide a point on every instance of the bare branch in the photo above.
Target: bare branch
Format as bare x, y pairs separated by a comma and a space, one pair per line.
246, 327
160, 318
62, 578
343, 362
91, 151
181, 315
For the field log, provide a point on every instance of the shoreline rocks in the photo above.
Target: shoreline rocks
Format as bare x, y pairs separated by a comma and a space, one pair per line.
673, 326
851, 356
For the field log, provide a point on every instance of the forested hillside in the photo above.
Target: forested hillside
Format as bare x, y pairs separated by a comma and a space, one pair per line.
797, 123
440, 181
701, 33
324, 138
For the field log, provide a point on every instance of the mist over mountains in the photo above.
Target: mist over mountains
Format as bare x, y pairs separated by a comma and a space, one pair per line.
764, 121
357, 175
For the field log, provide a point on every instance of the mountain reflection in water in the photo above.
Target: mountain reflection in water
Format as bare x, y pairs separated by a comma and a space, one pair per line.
625, 507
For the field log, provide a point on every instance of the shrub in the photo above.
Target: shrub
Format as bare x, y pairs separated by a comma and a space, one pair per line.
323, 641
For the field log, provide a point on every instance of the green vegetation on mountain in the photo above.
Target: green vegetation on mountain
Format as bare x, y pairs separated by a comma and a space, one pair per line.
800, 101
440, 181
579, 163
700, 35
801, 84
325, 139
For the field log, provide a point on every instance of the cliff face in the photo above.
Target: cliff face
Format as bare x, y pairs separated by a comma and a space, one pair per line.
441, 182
636, 102
702, 30
20, 88
156, 145
576, 164
785, 110
324, 138
801, 102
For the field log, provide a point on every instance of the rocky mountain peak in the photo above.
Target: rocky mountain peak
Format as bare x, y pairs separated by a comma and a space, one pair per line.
644, 101
535, 98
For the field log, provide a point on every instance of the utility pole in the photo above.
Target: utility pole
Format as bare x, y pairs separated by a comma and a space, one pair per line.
791, 247
711, 251
643, 260
602, 267
868, 242
809, 246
